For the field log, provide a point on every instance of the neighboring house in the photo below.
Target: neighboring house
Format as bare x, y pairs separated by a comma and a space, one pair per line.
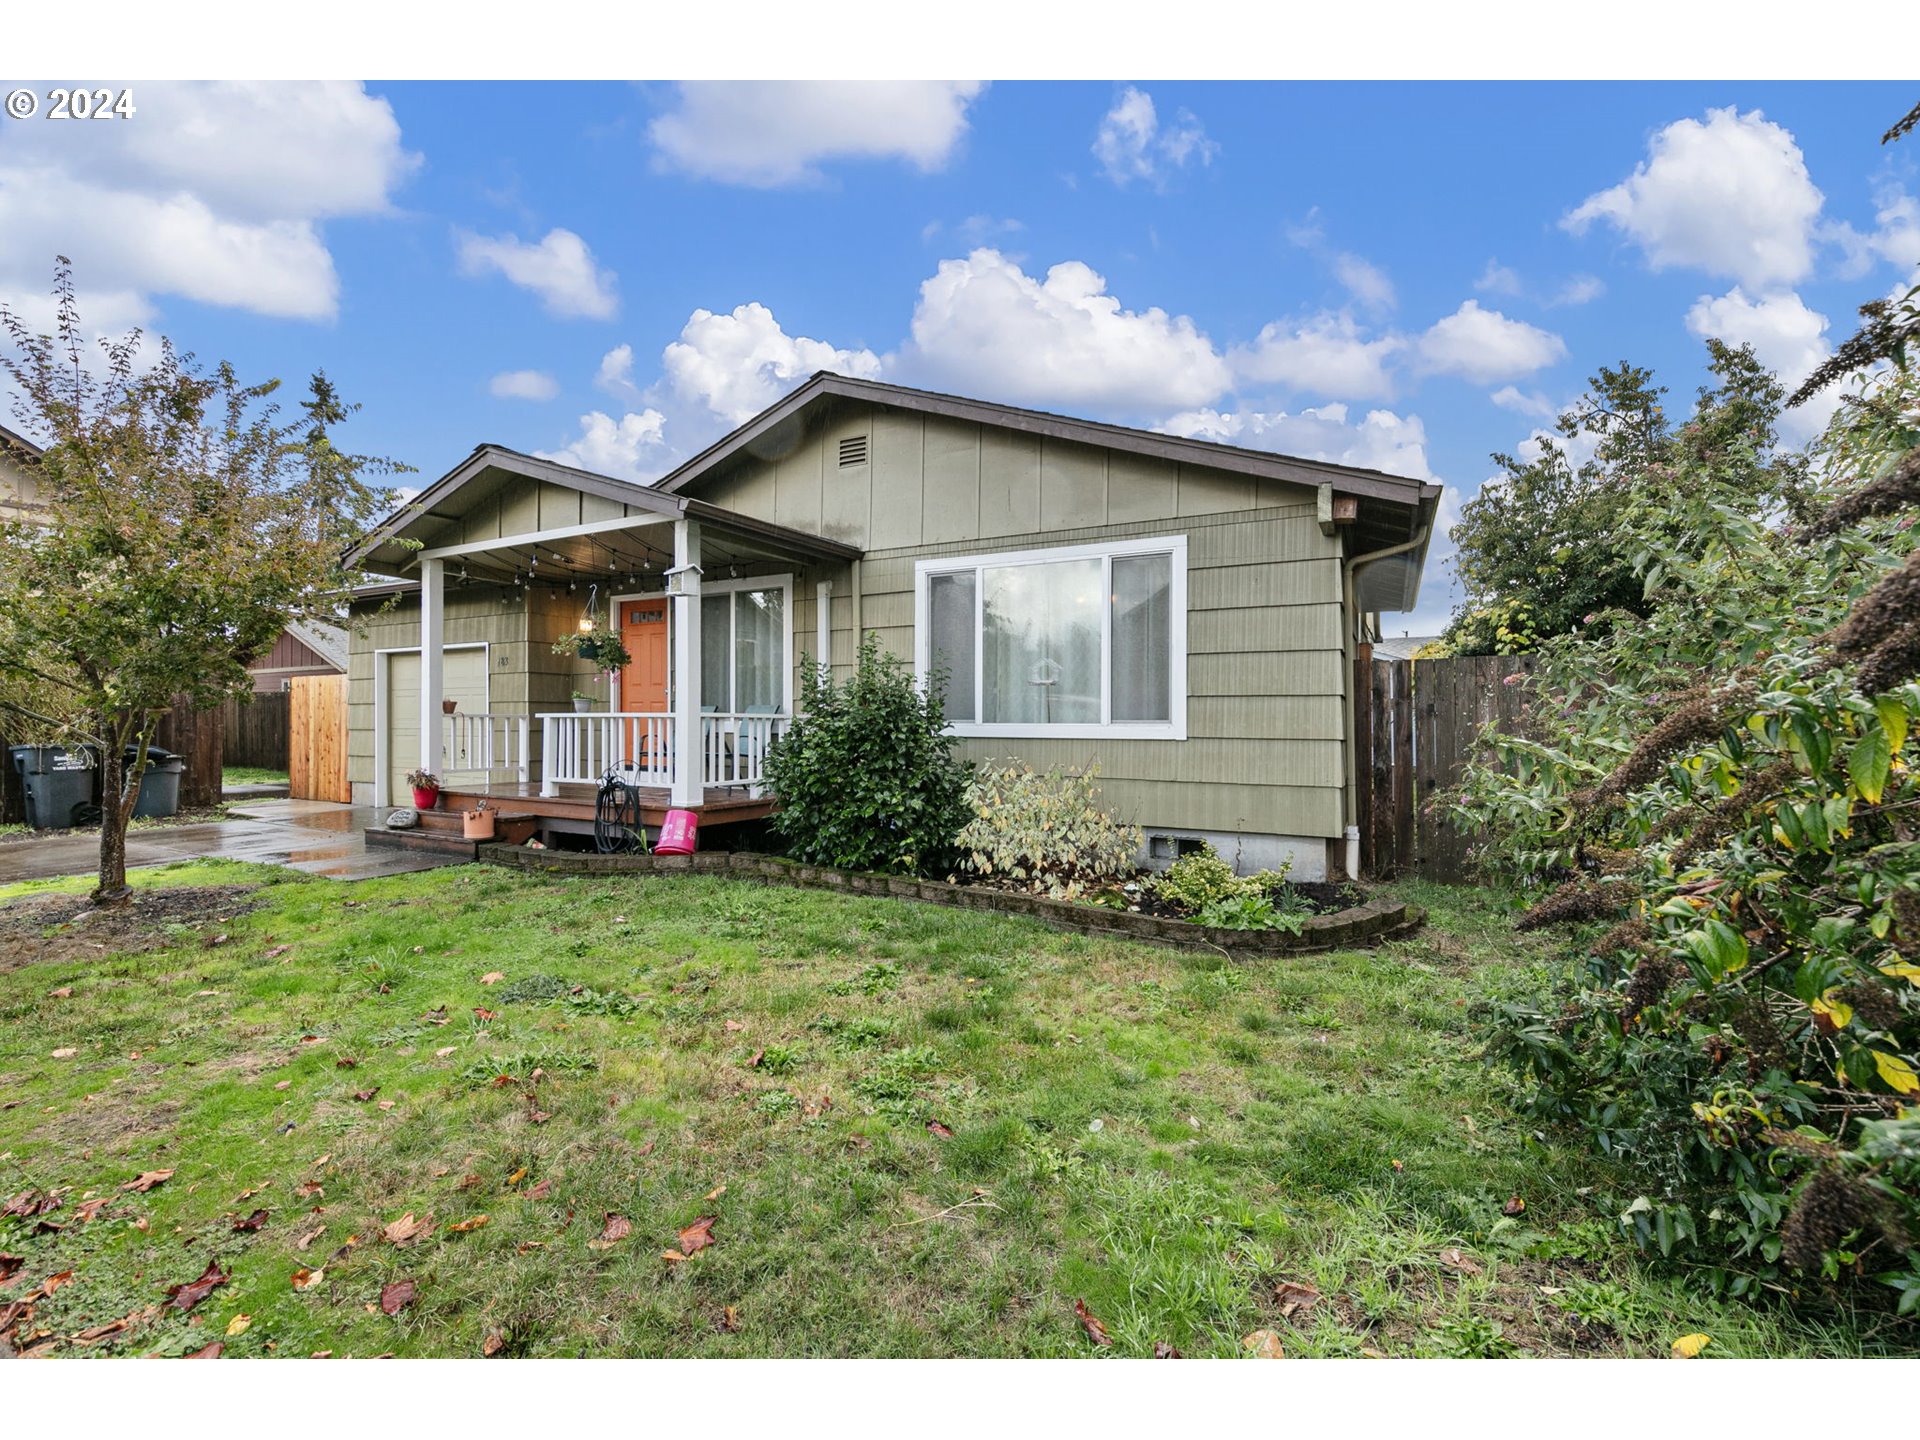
1402, 647
304, 648
1181, 612
19, 491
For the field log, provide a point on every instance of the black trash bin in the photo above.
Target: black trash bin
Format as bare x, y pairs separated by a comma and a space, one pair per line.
159, 786
59, 785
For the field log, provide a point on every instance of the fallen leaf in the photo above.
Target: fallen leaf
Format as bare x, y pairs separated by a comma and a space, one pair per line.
938, 1131
483, 1015
65, 992
309, 1188
1454, 1260
645, 1150
517, 1176
1263, 1345
396, 1297
29, 1203
444, 1051
282, 1084
384, 1105
1164, 1351
277, 950
468, 1181
321, 1355
1513, 1206
185, 1297
735, 1025
617, 1228
65, 1052
1096, 1332
1688, 1347
541, 1190
1398, 1166
52, 1283
365, 1095
252, 1222
345, 1062
672, 1257
209, 1352
406, 1229
493, 1344
540, 1117
10, 1265
147, 1181
492, 977
753, 1060
238, 1325
699, 1235
460, 1227
716, 1192
309, 1237
1295, 1296
100, 1332
304, 1279
730, 1320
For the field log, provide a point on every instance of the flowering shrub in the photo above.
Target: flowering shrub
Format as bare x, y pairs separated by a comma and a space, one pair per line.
1045, 831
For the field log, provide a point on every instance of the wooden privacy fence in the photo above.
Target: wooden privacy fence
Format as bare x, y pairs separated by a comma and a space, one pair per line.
317, 738
1417, 723
256, 733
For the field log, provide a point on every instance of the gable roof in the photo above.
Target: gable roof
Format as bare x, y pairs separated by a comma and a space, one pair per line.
1266, 464
14, 440
329, 642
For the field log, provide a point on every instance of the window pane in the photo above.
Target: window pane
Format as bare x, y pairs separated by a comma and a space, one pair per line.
714, 613
1042, 643
1142, 637
760, 649
950, 619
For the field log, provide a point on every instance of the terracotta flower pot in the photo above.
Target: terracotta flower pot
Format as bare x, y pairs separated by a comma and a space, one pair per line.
425, 799
477, 824
447, 707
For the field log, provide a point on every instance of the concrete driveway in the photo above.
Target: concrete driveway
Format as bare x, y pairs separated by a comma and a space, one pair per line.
310, 835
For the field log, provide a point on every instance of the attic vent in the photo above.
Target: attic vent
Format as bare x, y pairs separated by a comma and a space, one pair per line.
853, 451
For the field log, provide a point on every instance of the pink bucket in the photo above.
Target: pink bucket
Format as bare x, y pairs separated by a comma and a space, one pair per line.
679, 835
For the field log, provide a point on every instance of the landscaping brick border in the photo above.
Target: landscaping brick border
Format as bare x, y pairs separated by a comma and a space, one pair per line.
1365, 924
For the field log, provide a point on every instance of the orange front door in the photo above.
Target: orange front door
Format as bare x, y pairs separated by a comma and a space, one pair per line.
643, 630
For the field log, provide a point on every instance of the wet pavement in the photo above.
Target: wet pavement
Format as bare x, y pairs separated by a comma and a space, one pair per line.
309, 835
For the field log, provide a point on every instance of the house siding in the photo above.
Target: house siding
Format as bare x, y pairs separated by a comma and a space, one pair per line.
1267, 679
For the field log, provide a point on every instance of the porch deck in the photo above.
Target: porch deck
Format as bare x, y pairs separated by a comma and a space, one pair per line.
573, 805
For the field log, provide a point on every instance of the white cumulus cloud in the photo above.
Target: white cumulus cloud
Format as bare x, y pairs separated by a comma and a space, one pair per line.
985, 327
1787, 337
1484, 346
1131, 143
768, 133
1379, 440
739, 363
214, 192
560, 269
630, 448
1326, 354
1729, 195
523, 385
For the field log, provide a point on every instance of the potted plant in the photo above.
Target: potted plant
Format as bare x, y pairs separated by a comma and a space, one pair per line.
599, 645
426, 788
582, 702
448, 706
477, 823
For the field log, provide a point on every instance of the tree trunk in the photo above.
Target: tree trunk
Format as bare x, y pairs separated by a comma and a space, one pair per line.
119, 793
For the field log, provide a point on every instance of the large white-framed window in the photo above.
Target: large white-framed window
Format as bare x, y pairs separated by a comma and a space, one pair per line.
746, 661
1078, 641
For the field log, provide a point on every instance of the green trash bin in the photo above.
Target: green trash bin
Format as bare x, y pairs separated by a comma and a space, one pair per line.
59, 785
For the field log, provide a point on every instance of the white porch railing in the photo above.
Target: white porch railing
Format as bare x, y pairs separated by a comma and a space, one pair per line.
578, 749
481, 746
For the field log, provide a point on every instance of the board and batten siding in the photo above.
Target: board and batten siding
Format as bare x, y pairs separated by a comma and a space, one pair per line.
490, 613
1267, 680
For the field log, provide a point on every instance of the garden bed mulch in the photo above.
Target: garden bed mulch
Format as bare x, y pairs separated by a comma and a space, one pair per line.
1368, 923
36, 929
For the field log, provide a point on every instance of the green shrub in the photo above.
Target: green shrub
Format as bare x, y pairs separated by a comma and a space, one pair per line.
1045, 831
1202, 881
866, 776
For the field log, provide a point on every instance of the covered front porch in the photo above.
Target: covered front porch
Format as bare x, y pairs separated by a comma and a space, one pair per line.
709, 606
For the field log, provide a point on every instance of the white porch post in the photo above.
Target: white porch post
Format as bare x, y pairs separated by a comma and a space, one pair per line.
823, 623
432, 661
689, 751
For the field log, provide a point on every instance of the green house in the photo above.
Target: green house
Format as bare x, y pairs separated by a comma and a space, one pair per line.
1183, 613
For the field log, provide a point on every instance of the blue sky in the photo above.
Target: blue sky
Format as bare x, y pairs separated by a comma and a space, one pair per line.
1400, 275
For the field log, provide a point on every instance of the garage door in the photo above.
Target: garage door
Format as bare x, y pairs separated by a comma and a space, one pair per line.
464, 679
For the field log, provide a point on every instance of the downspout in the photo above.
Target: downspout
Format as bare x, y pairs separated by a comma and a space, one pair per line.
1350, 616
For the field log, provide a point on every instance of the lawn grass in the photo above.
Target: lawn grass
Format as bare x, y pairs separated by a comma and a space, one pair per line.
233, 775
1164, 1136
